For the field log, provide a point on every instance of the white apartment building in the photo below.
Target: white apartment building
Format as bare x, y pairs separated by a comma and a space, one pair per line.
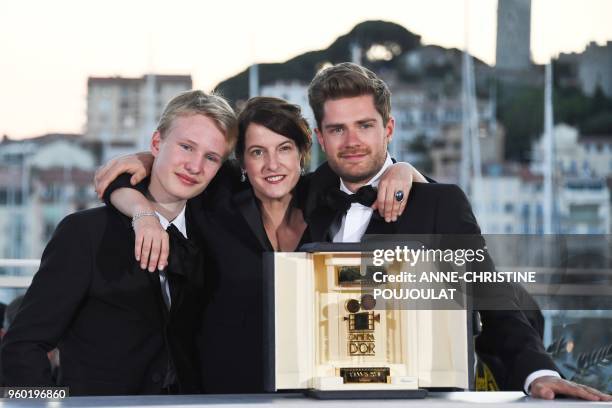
125, 110
512, 196
576, 154
446, 150
41, 181
296, 92
511, 202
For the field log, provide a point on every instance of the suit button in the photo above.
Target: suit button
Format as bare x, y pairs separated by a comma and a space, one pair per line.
156, 377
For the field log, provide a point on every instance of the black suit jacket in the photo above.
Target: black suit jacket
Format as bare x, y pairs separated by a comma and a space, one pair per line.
444, 209
107, 317
232, 342
231, 345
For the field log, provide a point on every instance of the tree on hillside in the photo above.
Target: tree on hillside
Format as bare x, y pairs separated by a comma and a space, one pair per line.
388, 39
521, 111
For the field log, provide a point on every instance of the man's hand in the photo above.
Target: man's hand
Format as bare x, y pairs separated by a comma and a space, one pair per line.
152, 244
398, 177
547, 387
139, 165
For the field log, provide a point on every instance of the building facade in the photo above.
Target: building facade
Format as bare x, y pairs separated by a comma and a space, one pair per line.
42, 180
125, 110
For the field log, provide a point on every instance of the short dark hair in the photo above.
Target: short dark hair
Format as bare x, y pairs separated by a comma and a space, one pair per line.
280, 117
347, 80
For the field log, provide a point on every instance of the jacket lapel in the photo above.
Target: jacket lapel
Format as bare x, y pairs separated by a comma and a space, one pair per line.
246, 205
319, 216
123, 272
320, 223
177, 291
161, 309
379, 226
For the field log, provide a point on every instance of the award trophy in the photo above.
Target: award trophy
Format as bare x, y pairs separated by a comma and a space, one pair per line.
330, 337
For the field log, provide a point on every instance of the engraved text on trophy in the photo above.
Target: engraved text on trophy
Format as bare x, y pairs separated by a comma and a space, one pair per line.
361, 324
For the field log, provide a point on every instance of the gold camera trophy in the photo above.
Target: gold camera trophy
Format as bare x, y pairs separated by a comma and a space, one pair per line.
327, 336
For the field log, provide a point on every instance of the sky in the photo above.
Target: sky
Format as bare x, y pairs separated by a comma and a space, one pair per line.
48, 48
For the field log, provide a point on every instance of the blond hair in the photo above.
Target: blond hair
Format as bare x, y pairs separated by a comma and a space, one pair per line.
196, 102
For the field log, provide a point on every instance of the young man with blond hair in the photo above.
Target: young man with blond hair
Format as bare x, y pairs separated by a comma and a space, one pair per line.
120, 329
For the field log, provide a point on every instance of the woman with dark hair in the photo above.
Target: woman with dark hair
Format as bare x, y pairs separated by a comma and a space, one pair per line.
239, 221
272, 149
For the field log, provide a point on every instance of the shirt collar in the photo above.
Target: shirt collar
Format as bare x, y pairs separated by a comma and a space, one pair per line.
374, 180
178, 221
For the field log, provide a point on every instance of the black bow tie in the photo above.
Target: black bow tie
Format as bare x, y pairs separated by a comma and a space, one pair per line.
184, 254
341, 201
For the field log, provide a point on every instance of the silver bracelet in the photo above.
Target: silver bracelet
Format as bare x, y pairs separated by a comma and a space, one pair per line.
139, 215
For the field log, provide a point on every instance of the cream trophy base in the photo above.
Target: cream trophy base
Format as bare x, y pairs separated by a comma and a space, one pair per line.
337, 384
430, 346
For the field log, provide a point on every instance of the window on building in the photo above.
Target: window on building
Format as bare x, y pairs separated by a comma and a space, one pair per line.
525, 210
584, 213
11, 196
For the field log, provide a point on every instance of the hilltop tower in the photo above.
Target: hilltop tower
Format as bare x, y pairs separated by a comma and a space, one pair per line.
513, 34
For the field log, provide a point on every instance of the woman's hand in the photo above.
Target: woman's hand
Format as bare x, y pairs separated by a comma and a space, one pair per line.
138, 164
397, 178
152, 243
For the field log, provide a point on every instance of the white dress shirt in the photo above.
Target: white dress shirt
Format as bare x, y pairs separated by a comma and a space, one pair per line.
355, 223
179, 223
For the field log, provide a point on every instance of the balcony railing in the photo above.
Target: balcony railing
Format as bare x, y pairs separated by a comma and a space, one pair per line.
17, 281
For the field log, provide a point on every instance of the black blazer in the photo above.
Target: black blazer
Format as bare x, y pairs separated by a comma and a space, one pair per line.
234, 240
232, 342
231, 345
107, 317
444, 209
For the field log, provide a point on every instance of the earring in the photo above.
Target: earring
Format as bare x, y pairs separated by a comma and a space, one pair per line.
302, 171
242, 175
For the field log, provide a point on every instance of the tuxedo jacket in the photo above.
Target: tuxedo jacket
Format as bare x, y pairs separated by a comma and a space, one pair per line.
507, 335
107, 316
232, 348
231, 341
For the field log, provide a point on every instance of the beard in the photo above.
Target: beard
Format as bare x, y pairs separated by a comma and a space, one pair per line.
361, 173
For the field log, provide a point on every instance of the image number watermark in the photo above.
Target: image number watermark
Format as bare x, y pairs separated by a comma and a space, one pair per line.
35, 392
